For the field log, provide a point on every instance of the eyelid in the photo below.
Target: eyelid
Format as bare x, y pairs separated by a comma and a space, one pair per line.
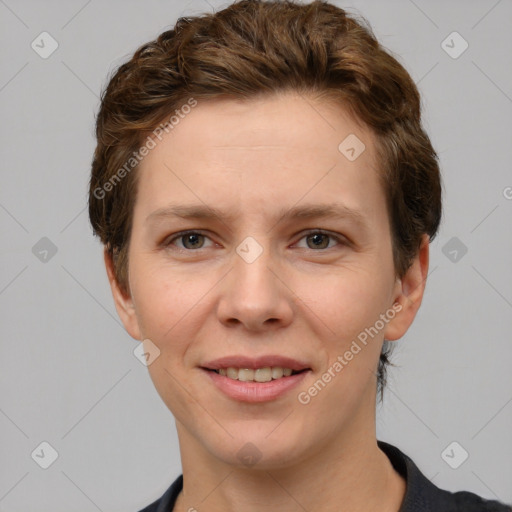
169, 240
340, 239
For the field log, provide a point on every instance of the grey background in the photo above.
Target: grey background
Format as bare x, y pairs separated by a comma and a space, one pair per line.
68, 375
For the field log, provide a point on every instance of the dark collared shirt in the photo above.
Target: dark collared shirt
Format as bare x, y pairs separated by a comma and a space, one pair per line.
421, 494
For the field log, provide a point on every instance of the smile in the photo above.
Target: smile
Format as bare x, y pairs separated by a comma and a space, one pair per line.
265, 374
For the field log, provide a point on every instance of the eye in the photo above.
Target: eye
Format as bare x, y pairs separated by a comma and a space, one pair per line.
190, 240
194, 240
321, 240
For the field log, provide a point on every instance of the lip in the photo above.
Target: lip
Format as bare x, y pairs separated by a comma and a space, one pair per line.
255, 392
255, 362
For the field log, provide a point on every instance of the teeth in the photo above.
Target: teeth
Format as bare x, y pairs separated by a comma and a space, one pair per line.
232, 373
245, 375
265, 374
277, 372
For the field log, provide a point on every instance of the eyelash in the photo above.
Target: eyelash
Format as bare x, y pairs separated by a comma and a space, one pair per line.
169, 241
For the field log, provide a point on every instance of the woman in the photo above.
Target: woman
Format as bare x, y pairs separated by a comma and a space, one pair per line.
266, 195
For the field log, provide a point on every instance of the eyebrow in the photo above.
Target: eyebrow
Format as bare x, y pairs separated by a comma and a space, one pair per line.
306, 211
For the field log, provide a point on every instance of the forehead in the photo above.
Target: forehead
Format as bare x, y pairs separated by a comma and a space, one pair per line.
258, 152
279, 122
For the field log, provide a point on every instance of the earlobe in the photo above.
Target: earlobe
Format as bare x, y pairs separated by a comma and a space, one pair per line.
122, 300
409, 293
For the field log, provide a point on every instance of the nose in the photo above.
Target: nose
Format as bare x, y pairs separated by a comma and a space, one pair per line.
255, 295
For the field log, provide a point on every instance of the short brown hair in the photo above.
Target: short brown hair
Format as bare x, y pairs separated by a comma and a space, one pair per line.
254, 48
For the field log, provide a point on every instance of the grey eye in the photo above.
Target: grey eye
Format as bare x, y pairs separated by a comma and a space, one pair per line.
192, 240
319, 241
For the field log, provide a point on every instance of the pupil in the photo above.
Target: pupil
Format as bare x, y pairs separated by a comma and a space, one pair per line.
193, 239
318, 238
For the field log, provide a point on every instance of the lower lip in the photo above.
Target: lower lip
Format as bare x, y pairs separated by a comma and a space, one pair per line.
255, 391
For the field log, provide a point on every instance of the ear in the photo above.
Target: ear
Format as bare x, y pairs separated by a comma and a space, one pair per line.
122, 300
409, 293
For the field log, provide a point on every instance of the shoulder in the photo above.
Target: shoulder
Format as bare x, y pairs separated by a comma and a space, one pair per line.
423, 496
470, 502
166, 502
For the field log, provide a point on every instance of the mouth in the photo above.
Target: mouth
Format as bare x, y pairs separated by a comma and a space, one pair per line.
258, 379
265, 374
256, 369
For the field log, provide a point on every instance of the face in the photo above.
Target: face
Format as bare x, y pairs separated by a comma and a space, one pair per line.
259, 242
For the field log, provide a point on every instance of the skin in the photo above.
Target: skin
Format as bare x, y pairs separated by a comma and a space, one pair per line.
253, 159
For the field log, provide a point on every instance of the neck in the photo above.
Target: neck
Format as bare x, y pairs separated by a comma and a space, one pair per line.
350, 475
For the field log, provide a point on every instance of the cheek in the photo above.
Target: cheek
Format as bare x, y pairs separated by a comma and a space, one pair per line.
164, 300
348, 301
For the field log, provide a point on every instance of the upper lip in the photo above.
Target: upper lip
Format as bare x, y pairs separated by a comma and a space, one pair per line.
235, 361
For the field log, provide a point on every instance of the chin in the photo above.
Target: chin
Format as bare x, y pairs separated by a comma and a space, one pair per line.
258, 451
